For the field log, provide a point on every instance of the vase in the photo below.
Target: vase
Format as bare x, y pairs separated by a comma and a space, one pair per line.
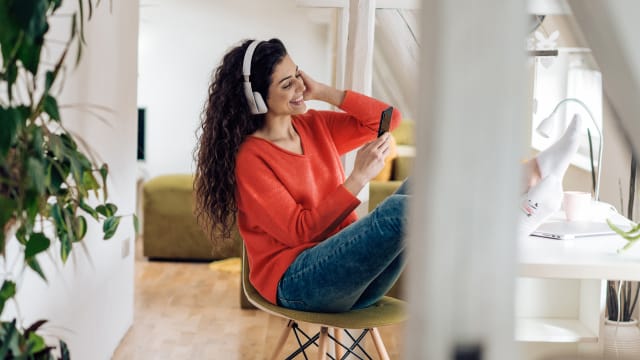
621, 340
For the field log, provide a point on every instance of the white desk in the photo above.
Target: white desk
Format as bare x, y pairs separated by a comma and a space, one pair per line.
561, 291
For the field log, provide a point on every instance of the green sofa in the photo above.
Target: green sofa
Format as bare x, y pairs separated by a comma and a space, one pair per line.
170, 229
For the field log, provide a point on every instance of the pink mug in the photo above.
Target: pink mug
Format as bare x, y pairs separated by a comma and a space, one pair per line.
577, 205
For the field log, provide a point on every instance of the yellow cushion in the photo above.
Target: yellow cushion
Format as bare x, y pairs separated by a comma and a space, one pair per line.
404, 133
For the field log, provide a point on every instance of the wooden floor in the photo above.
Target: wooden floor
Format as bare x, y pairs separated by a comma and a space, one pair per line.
187, 311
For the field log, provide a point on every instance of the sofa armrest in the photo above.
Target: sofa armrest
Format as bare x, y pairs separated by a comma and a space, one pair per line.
403, 163
380, 190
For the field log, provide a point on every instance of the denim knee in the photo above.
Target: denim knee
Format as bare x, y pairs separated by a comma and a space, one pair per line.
390, 214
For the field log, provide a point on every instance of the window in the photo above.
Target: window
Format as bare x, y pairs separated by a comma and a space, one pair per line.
572, 74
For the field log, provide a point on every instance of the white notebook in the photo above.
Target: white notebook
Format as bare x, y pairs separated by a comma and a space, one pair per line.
564, 230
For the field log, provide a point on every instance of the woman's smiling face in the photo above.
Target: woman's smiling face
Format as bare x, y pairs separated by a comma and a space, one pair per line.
286, 89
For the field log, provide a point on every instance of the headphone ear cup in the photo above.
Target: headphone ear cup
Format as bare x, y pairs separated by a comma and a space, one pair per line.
248, 93
261, 107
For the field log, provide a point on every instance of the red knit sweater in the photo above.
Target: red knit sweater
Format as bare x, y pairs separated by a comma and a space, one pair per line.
289, 202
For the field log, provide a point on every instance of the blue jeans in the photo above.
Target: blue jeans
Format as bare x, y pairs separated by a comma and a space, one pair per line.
353, 268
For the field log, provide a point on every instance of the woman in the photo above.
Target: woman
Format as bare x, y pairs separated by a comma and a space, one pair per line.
273, 166
280, 171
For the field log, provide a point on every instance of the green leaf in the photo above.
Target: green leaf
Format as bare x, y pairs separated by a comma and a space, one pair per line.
58, 220
35, 344
32, 206
29, 53
31, 18
10, 339
80, 227
108, 209
112, 209
104, 171
76, 170
65, 247
7, 210
88, 209
64, 351
37, 243
69, 218
50, 77
35, 266
110, 227
51, 107
8, 33
136, 224
37, 176
11, 124
37, 141
53, 178
68, 141
89, 181
21, 235
56, 146
7, 291
101, 209
11, 75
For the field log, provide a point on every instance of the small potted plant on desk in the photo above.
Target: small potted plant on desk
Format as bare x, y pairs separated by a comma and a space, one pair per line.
622, 334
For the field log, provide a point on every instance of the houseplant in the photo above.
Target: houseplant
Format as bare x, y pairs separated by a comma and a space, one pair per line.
622, 335
621, 332
50, 184
633, 234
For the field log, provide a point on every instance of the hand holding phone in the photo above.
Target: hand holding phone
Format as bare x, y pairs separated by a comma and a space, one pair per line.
385, 121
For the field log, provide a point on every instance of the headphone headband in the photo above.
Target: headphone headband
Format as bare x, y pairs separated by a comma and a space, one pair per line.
256, 103
248, 55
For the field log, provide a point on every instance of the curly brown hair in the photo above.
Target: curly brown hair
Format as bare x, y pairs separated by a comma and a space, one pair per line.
225, 123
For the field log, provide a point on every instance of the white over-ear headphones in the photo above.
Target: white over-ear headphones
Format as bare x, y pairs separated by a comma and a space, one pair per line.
256, 103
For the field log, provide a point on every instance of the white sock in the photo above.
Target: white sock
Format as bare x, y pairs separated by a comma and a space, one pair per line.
556, 158
539, 203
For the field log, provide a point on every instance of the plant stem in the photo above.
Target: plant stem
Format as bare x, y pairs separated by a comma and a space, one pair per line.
632, 186
593, 172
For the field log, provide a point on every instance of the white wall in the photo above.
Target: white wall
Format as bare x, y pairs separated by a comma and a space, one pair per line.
89, 301
616, 158
182, 41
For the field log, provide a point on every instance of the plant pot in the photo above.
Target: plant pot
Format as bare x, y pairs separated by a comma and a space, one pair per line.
621, 340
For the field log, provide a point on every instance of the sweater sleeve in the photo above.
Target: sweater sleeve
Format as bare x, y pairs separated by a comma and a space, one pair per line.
264, 199
359, 122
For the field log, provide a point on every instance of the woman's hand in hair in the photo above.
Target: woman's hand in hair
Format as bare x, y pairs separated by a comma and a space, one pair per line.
368, 163
318, 91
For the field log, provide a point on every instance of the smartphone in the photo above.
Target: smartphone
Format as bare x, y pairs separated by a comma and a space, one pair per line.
385, 121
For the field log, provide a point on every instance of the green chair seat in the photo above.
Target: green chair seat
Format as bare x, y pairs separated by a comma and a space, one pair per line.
387, 311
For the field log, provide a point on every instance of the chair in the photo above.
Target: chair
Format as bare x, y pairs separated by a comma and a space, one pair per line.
386, 311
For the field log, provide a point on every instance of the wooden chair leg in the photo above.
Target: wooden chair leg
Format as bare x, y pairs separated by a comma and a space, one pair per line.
322, 343
377, 341
282, 339
337, 333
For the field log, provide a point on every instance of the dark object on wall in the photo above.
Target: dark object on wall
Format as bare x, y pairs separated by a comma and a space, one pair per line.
141, 133
593, 170
632, 186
